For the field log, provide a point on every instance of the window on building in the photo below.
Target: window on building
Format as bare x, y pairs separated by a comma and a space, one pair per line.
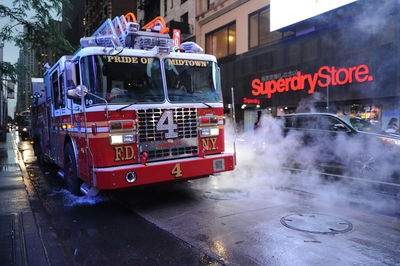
210, 4
222, 42
259, 32
183, 1
172, 4
185, 18
165, 6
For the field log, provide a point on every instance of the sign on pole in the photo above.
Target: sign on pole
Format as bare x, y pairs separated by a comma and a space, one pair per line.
10, 89
176, 37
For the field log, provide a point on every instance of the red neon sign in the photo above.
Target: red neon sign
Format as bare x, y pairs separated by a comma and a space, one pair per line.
324, 77
255, 101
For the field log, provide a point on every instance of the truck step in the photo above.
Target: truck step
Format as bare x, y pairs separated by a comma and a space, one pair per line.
88, 190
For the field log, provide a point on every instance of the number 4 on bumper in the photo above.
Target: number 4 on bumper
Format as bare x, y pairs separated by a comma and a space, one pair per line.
176, 171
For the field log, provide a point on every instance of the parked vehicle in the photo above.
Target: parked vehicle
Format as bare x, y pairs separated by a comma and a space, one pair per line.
344, 143
24, 125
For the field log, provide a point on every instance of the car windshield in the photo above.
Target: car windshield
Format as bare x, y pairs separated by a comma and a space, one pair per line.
192, 81
363, 125
26, 122
122, 79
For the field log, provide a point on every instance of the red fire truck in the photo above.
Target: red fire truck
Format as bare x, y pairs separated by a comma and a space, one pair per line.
126, 110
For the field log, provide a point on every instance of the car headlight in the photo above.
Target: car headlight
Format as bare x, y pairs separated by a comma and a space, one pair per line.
389, 140
24, 129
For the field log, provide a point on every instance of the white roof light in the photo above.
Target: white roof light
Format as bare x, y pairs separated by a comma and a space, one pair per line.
192, 47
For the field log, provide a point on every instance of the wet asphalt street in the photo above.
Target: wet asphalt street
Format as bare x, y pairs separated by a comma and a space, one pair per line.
246, 217
99, 231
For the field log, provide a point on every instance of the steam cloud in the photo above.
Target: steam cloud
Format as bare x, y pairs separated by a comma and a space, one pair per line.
364, 172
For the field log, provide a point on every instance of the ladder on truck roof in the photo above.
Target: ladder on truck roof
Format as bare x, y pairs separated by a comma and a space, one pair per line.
124, 32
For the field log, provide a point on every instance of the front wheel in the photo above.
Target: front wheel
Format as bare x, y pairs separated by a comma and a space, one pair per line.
72, 180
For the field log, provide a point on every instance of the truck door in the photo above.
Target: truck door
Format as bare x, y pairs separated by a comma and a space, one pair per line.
80, 125
57, 104
62, 118
47, 117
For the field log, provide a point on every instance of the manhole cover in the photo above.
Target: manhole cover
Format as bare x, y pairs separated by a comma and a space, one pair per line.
316, 223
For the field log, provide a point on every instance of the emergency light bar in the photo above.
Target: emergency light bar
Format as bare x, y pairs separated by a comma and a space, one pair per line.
132, 27
192, 47
149, 40
124, 31
102, 41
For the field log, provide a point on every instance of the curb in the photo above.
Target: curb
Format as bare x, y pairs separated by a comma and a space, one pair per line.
30, 228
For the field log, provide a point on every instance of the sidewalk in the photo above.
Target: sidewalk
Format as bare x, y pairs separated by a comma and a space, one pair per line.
20, 241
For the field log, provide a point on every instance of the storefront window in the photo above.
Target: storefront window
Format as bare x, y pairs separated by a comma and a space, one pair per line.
222, 42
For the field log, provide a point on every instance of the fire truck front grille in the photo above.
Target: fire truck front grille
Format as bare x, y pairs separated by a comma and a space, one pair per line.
185, 118
173, 152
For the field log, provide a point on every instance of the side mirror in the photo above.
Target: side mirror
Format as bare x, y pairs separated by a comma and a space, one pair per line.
340, 127
78, 92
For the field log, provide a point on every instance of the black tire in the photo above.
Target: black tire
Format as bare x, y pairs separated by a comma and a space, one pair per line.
72, 181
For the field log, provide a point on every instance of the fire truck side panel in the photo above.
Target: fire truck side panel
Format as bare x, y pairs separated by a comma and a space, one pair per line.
106, 155
99, 139
59, 137
215, 144
45, 137
77, 130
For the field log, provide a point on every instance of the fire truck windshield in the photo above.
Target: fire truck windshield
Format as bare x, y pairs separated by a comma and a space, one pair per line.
192, 80
122, 79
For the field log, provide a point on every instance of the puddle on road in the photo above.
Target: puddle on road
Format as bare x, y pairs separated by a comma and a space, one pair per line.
70, 200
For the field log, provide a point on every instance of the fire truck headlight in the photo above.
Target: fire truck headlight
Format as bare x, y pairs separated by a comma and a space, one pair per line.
209, 132
122, 139
116, 139
131, 177
129, 138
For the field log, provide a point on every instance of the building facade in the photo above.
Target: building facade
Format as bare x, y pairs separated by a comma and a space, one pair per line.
74, 14
341, 61
181, 15
31, 64
26, 63
3, 98
96, 12
147, 10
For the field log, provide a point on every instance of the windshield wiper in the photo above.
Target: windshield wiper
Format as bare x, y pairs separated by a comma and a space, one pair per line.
206, 104
123, 107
